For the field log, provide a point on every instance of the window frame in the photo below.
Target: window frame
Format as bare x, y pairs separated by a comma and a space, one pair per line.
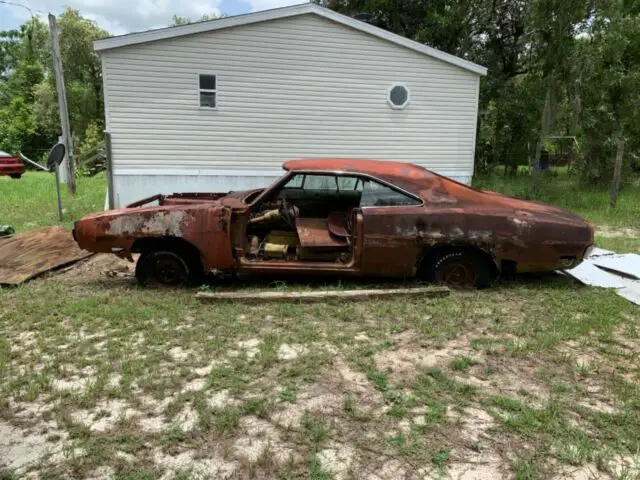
406, 103
207, 90
395, 189
282, 181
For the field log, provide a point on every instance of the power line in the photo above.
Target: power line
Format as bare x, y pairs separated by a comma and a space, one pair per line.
27, 7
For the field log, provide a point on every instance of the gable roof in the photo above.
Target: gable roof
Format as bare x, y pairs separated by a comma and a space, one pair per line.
277, 13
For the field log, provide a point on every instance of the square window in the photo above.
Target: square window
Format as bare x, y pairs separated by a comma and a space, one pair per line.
207, 82
208, 99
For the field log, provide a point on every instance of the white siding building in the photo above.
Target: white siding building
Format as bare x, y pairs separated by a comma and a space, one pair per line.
219, 105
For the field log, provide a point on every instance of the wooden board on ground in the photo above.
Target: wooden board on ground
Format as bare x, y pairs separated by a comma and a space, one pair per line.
322, 295
27, 255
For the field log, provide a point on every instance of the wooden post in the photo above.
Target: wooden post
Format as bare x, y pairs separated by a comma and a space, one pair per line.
62, 104
110, 192
617, 172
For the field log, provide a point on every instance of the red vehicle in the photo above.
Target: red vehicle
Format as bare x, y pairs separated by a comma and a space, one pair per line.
346, 217
10, 165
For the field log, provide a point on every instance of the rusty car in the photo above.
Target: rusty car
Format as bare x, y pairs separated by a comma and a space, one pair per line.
346, 217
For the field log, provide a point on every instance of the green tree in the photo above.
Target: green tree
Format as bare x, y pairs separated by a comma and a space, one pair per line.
609, 57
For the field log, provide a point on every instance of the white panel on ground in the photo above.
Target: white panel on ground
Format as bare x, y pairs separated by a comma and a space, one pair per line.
610, 270
628, 264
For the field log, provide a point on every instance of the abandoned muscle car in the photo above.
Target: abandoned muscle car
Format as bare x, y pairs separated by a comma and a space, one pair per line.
342, 217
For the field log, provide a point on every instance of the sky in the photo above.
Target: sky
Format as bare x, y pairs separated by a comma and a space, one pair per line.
124, 16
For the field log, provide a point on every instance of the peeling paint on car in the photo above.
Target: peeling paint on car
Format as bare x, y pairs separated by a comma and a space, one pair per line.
387, 240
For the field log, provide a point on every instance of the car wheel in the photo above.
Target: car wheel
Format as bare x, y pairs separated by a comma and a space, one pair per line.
164, 268
459, 269
15, 176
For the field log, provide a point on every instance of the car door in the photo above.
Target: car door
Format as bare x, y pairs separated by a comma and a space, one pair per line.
390, 244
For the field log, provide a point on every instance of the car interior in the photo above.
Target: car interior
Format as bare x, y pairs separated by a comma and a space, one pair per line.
312, 217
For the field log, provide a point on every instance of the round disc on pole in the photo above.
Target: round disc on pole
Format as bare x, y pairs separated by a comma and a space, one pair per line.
55, 156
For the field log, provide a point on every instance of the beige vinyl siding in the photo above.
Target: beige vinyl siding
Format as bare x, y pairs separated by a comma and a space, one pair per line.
295, 87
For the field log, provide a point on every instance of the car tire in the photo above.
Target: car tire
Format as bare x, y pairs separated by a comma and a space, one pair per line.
459, 268
15, 176
165, 267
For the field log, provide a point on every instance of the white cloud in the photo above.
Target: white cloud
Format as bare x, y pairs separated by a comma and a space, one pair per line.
123, 16
257, 5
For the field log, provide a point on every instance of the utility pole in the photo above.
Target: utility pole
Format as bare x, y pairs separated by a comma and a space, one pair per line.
62, 104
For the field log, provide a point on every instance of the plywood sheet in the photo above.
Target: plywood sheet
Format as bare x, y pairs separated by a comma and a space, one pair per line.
30, 254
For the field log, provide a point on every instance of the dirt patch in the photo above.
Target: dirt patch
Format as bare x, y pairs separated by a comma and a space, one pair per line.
291, 352
179, 354
250, 347
19, 449
389, 470
407, 357
598, 406
337, 459
477, 466
613, 232
626, 337
326, 396
153, 424
74, 384
221, 399
187, 419
212, 467
510, 377
101, 473
96, 267
194, 385
260, 438
582, 472
104, 416
473, 424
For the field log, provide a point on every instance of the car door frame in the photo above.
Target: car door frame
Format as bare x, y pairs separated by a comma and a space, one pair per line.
390, 236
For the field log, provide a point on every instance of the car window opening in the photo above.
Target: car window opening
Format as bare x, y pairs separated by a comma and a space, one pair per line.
312, 217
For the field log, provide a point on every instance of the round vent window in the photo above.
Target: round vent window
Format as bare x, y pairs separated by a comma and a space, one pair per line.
398, 96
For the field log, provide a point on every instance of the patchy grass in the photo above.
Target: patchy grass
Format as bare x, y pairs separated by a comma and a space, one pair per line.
519, 381
30, 202
535, 378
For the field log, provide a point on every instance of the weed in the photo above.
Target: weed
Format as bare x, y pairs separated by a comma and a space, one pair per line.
441, 457
460, 364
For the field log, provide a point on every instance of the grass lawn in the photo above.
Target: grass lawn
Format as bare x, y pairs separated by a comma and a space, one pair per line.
536, 378
31, 202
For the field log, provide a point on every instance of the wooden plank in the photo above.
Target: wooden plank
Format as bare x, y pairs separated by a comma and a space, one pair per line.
30, 254
322, 295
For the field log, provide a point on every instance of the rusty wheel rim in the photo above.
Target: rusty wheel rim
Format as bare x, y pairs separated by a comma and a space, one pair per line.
458, 273
169, 271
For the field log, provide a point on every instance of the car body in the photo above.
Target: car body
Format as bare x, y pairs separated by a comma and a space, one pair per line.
346, 217
11, 165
